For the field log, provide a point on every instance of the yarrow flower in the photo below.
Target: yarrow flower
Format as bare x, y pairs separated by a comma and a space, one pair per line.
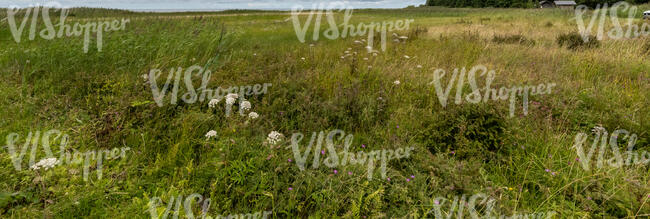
230, 100
211, 133
213, 103
274, 137
45, 163
396, 82
253, 115
245, 105
233, 95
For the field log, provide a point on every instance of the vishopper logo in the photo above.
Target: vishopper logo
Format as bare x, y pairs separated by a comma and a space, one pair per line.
600, 15
475, 96
332, 161
65, 158
348, 30
462, 207
202, 93
616, 159
176, 203
64, 29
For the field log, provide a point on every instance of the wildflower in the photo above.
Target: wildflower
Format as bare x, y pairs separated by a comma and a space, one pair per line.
396, 82
419, 66
374, 54
289, 160
274, 137
254, 54
553, 173
253, 115
342, 57
211, 133
303, 58
510, 188
453, 152
547, 170
213, 103
412, 176
388, 178
365, 59
349, 173
363, 145
230, 100
322, 152
245, 105
336, 171
357, 42
269, 157
145, 77
290, 188
45, 163
369, 47
233, 95
346, 52
407, 57
403, 37
437, 202
408, 180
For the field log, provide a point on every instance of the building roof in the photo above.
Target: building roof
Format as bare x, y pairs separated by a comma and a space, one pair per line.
565, 2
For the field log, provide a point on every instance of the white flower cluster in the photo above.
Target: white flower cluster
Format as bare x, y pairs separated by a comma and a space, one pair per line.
45, 163
396, 82
211, 133
230, 98
245, 105
253, 115
213, 103
274, 137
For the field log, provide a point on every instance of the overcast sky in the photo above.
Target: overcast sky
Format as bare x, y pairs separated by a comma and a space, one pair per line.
209, 4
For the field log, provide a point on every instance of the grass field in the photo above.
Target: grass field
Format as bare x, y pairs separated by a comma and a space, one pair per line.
525, 163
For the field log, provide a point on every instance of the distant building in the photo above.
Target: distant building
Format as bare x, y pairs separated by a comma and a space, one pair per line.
558, 4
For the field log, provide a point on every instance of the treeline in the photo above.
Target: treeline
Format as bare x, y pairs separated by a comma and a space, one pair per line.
515, 3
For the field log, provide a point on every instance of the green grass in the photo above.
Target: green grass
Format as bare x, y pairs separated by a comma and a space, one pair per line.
101, 101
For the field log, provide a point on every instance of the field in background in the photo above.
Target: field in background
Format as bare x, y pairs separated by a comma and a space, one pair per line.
101, 100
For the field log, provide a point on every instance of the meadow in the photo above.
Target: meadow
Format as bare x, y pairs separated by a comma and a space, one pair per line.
526, 163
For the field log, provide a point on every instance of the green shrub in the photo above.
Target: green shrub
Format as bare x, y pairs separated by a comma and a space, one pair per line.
468, 131
574, 41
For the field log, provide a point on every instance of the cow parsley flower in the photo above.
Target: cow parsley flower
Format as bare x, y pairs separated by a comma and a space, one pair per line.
211, 133
253, 115
213, 103
45, 163
274, 137
230, 100
245, 105
232, 95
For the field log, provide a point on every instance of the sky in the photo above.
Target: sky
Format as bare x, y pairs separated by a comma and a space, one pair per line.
208, 4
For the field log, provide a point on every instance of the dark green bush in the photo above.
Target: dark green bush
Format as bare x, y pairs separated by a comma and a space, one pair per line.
574, 41
468, 131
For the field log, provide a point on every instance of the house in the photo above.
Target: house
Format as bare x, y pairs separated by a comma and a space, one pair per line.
558, 4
